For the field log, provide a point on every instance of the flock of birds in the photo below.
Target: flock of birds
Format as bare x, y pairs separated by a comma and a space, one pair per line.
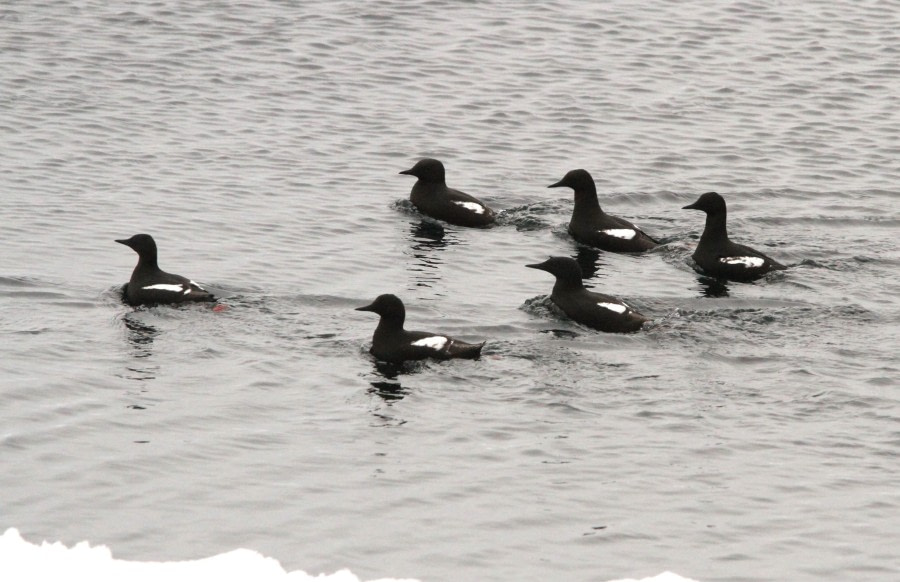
716, 256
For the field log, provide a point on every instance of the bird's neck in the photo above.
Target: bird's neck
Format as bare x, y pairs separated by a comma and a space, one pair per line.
147, 262
586, 202
715, 227
433, 181
390, 325
567, 284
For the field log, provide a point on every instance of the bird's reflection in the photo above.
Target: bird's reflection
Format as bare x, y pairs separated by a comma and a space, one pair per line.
711, 287
390, 392
432, 232
387, 387
427, 240
388, 370
589, 259
140, 337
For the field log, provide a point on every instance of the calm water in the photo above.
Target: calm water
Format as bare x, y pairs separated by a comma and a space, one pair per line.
751, 433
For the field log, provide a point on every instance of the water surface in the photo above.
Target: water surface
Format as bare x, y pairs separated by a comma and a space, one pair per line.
750, 433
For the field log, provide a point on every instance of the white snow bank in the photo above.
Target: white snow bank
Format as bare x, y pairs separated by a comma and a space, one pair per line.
664, 577
21, 561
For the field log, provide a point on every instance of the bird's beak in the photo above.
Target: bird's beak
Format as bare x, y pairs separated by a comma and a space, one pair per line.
557, 184
690, 206
122, 241
408, 172
364, 308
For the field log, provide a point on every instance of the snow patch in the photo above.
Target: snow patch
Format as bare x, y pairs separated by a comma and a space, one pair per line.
21, 561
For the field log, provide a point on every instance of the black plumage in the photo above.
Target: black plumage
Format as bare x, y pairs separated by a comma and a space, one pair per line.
433, 198
716, 256
392, 343
151, 285
596, 310
591, 226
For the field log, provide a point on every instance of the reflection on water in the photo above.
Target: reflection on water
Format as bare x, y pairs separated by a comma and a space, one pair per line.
388, 370
589, 260
710, 287
560, 333
388, 391
427, 240
428, 229
140, 337
387, 387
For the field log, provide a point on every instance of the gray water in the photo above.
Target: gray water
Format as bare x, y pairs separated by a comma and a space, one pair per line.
750, 433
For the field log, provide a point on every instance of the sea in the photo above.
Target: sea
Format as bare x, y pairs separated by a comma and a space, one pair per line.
750, 432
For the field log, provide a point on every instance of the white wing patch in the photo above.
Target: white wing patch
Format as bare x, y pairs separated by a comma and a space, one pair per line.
746, 261
167, 287
473, 206
614, 307
624, 233
436, 343
194, 283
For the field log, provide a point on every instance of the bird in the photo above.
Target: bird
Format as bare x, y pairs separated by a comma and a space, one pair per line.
717, 256
391, 343
595, 310
433, 198
591, 226
150, 285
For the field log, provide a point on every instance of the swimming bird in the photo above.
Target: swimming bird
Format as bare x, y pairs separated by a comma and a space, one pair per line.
151, 285
392, 343
432, 197
591, 226
601, 312
717, 256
